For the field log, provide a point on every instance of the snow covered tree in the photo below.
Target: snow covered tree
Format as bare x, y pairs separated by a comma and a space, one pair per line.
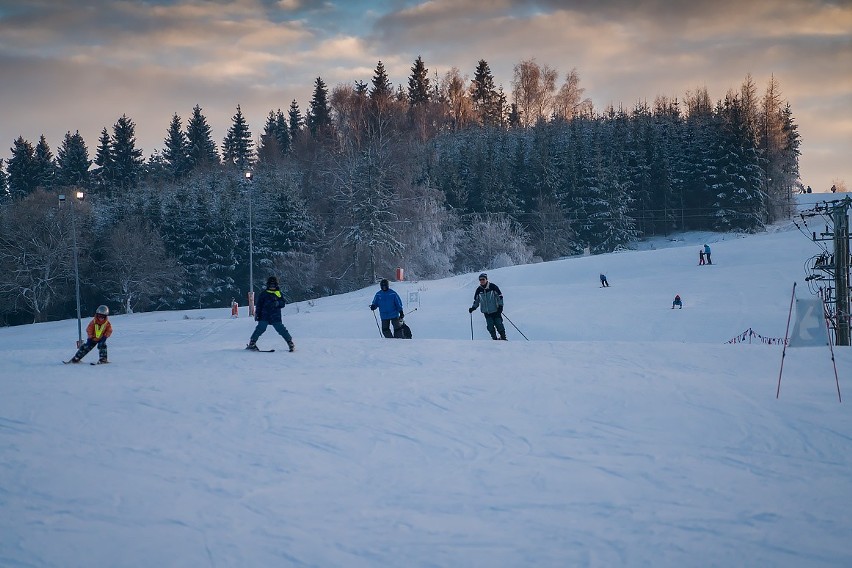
137, 270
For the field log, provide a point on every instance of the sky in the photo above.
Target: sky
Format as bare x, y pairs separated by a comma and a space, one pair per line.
71, 65
621, 432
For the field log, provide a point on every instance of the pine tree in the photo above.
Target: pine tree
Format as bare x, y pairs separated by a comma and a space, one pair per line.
127, 158
176, 160
73, 161
318, 119
199, 140
22, 169
238, 148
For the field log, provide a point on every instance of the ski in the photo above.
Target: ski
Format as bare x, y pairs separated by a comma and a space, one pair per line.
262, 350
100, 363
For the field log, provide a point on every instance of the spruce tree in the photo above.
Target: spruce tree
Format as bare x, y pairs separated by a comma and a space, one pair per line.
22, 169
200, 146
176, 160
382, 90
238, 148
73, 161
104, 160
4, 183
295, 121
269, 151
484, 96
127, 158
45, 165
282, 132
319, 113
419, 92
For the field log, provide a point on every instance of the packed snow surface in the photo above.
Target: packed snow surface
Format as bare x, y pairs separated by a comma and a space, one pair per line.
621, 433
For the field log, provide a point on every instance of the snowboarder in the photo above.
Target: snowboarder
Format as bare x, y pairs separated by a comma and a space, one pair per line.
677, 302
707, 254
390, 310
490, 300
98, 331
701, 257
267, 311
604, 283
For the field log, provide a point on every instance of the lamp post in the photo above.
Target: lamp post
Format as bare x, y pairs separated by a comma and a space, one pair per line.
79, 195
251, 247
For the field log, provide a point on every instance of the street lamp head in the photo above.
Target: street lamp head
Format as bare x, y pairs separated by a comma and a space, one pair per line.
80, 195
248, 176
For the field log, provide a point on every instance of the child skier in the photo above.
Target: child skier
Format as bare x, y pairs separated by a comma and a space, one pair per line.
98, 331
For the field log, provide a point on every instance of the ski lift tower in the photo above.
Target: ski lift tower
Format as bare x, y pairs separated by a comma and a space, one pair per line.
834, 267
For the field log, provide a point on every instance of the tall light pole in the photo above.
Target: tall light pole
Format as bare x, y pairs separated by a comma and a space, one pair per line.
79, 195
251, 247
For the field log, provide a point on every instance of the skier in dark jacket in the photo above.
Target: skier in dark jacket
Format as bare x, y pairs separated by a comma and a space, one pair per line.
489, 299
267, 312
390, 309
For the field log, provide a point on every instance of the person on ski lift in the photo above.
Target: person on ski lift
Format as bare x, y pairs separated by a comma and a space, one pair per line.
98, 331
267, 312
390, 310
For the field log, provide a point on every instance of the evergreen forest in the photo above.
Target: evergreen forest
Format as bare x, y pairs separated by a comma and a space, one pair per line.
439, 176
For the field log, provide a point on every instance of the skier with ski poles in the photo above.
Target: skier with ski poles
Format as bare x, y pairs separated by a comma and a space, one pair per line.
489, 299
390, 309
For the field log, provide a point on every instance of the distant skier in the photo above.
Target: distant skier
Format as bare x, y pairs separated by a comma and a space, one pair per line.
490, 298
390, 310
604, 283
677, 302
267, 312
98, 331
701, 257
707, 254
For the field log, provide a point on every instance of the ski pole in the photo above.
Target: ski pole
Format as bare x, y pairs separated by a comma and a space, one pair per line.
471, 326
377, 325
516, 327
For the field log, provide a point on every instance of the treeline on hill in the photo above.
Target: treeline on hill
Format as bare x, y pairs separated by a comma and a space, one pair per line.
442, 176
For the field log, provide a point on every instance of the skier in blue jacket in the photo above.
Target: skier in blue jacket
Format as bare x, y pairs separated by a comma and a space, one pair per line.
390, 309
267, 312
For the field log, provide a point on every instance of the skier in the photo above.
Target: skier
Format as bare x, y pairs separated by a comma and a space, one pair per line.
267, 312
490, 300
677, 302
701, 257
604, 282
390, 310
707, 254
98, 331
